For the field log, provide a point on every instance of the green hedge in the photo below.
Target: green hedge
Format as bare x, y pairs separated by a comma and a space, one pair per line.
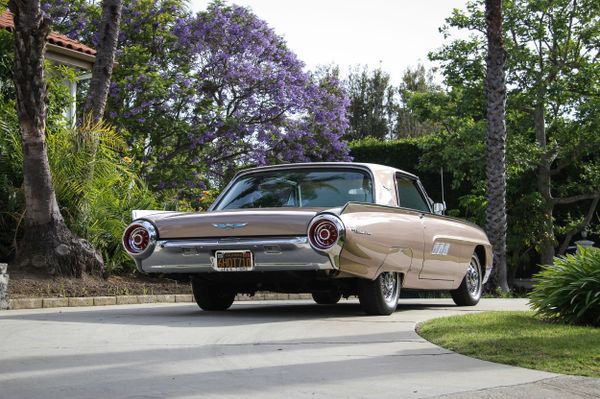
407, 154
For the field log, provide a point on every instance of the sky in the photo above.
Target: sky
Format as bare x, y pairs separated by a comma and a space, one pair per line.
391, 34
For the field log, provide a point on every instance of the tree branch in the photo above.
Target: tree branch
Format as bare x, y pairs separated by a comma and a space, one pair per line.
575, 198
580, 226
570, 160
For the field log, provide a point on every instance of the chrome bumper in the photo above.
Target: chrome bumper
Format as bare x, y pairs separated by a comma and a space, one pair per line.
270, 254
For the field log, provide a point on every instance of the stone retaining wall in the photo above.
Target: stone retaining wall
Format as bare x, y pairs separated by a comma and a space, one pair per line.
37, 303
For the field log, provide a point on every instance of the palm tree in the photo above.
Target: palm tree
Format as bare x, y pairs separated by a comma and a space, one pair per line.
496, 141
47, 242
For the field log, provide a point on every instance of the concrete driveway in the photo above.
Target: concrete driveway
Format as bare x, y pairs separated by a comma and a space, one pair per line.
279, 349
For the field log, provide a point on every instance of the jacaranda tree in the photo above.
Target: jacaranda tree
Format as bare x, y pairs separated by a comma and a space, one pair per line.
198, 96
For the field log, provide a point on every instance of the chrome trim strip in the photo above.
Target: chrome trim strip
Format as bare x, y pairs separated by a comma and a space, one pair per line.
488, 270
488, 273
229, 225
231, 241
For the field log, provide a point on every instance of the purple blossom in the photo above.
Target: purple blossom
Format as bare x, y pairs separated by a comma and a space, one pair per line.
220, 87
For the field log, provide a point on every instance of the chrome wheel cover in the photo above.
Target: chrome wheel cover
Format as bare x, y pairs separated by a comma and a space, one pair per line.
389, 287
473, 279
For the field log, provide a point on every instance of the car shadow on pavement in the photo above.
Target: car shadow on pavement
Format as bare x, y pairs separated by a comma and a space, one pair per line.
189, 315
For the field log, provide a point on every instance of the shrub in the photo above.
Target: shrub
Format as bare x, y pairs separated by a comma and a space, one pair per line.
569, 290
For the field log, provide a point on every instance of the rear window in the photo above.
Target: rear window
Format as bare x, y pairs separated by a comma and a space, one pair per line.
299, 188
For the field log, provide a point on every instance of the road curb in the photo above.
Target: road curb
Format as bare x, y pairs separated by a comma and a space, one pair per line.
60, 302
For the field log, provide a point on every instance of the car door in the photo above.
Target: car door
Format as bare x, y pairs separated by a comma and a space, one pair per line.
439, 250
410, 199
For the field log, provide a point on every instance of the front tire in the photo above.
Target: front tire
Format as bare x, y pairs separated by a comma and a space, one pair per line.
380, 296
212, 297
469, 291
327, 297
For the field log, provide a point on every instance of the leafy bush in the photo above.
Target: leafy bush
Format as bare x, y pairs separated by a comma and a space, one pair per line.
97, 188
569, 290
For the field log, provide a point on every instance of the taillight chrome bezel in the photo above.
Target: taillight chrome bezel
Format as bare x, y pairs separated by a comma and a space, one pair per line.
321, 224
139, 232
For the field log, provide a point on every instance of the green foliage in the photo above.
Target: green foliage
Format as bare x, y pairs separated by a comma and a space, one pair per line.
11, 195
552, 61
378, 109
108, 211
569, 290
371, 102
416, 155
191, 200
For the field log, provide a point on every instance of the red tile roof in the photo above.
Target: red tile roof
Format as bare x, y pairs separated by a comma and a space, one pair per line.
6, 22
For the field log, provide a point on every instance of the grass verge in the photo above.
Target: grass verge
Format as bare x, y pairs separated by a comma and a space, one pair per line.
519, 339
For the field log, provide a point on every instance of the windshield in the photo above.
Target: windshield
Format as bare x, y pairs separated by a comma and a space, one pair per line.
299, 188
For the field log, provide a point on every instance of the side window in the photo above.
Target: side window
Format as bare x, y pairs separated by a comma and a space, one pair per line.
409, 195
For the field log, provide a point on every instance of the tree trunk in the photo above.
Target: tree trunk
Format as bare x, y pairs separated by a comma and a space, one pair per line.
95, 103
544, 188
47, 243
105, 58
496, 224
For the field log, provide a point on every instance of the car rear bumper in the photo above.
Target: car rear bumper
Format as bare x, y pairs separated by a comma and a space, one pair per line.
269, 253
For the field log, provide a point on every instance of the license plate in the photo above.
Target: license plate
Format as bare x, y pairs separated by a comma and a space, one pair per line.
233, 261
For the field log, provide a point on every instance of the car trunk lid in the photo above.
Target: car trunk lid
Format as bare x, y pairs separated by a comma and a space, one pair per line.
234, 223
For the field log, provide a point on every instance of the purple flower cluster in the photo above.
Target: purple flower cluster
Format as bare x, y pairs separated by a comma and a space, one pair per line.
201, 95
69, 17
266, 107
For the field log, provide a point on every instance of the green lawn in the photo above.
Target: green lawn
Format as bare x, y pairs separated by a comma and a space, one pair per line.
519, 339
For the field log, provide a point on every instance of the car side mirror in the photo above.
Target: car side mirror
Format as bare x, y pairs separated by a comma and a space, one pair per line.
439, 208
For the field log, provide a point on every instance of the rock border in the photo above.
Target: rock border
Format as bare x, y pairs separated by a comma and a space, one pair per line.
63, 302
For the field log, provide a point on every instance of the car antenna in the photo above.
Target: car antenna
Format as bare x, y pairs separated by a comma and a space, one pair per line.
442, 181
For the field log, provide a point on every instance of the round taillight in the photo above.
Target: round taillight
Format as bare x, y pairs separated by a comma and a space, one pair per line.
324, 232
138, 237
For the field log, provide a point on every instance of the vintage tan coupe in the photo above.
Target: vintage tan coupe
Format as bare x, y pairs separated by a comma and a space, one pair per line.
329, 229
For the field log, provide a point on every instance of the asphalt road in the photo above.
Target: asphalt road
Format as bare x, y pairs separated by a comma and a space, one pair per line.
276, 349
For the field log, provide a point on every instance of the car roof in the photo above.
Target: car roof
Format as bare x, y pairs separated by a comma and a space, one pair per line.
374, 168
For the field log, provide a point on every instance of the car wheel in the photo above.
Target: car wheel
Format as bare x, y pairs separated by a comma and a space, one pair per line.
327, 297
469, 291
212, 297
380, 296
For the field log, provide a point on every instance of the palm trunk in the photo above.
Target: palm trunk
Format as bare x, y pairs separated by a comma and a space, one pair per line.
47, 243
496, 224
